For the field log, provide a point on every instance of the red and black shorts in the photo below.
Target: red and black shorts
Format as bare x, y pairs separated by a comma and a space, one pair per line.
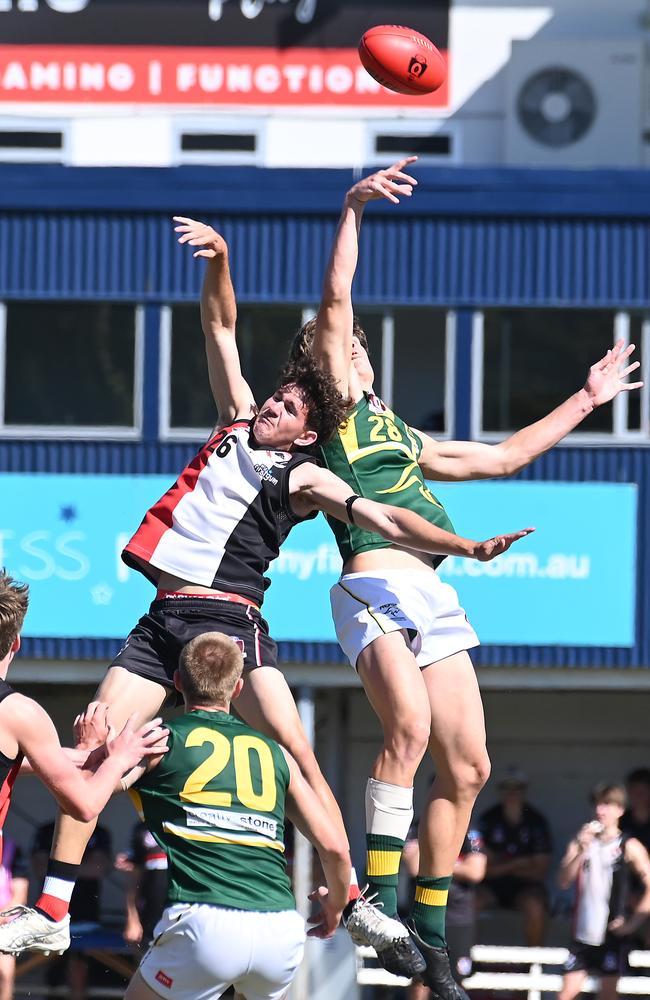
153, 647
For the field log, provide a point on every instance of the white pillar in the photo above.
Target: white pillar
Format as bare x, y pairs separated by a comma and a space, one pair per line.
302, 854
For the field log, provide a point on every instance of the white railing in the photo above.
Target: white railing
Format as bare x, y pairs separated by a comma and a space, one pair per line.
533, 983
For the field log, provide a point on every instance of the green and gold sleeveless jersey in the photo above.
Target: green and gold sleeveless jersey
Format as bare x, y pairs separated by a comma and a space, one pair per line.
215, 804
376, 453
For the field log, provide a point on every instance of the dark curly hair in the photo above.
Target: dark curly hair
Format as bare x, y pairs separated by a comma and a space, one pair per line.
301, 343
326, 407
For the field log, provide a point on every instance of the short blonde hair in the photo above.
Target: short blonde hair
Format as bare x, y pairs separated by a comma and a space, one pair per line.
609, 792
210, 665
14, 599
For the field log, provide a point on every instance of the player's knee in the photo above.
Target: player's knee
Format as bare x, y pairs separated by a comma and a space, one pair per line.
470, 774
408, 741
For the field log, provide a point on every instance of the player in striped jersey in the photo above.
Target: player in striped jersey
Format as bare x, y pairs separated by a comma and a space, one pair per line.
401, 627
207, 543
29, 741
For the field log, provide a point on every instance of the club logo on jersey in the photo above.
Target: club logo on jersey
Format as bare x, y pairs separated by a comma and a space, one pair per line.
164, 979
240, 644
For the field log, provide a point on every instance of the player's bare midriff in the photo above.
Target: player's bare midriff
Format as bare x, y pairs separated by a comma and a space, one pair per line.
393, 557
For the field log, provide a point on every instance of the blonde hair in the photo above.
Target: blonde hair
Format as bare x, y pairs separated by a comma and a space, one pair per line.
14, 599
210, 665
609, 792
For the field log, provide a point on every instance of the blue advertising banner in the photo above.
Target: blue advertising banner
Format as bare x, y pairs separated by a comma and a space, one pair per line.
63, 535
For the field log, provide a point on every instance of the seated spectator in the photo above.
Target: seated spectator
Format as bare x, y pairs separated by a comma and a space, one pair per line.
460, 926
146, 864
518, 845
599, 860
72, 968
14, 884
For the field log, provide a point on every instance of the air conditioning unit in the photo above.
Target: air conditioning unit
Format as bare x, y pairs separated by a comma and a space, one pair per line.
575, 103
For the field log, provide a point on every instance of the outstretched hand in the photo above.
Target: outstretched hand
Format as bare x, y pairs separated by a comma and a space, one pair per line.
199, 234
492, 547
388, 183
605, 378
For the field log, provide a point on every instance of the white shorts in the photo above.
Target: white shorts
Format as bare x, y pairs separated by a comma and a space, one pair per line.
200, 950
367, 605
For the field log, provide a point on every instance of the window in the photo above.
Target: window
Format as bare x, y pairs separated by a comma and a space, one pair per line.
419, 372
264, 334
638, 403
71, 366
535, 358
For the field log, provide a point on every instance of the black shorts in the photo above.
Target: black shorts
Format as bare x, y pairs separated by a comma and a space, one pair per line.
508, 888
609, 958
153, 647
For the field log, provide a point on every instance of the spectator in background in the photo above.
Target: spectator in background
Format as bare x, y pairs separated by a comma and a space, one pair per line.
635, 821
85, 904
599, 860
14, 884
518, 845
146, 864
460, 926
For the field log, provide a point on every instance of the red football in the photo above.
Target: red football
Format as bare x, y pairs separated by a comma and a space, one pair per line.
402, 59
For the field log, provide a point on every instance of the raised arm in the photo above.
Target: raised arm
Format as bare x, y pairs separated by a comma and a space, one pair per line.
231, 392
332, 345
313, 488
308, 814
461, 460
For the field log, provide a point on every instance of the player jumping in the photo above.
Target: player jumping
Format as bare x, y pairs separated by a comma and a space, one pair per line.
400, 626
208, 542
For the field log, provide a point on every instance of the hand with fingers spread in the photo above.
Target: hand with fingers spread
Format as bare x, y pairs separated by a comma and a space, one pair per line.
493, 547
391, 183
605, 379
132, 745
198, 234
91, 728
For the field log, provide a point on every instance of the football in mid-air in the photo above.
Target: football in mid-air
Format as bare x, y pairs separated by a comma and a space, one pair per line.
402, 59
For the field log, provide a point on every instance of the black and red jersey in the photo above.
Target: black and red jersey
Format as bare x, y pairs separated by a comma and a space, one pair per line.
223, 520
8, 770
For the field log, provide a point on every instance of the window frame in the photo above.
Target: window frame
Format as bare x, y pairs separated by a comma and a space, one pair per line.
620, 433
80, 432
167, 432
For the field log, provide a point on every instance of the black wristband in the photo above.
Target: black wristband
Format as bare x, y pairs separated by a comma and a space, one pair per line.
348, 506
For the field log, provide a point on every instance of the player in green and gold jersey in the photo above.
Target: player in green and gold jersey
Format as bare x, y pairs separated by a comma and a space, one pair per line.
399, 624
216, 804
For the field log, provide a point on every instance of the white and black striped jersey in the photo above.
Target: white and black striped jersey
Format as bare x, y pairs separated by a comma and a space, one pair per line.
223, 520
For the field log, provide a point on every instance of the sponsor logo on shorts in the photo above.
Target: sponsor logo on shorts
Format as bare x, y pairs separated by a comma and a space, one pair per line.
392, 611
164, 979
240, 644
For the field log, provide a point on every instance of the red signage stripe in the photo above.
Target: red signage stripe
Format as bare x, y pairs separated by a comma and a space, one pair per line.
196, 75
